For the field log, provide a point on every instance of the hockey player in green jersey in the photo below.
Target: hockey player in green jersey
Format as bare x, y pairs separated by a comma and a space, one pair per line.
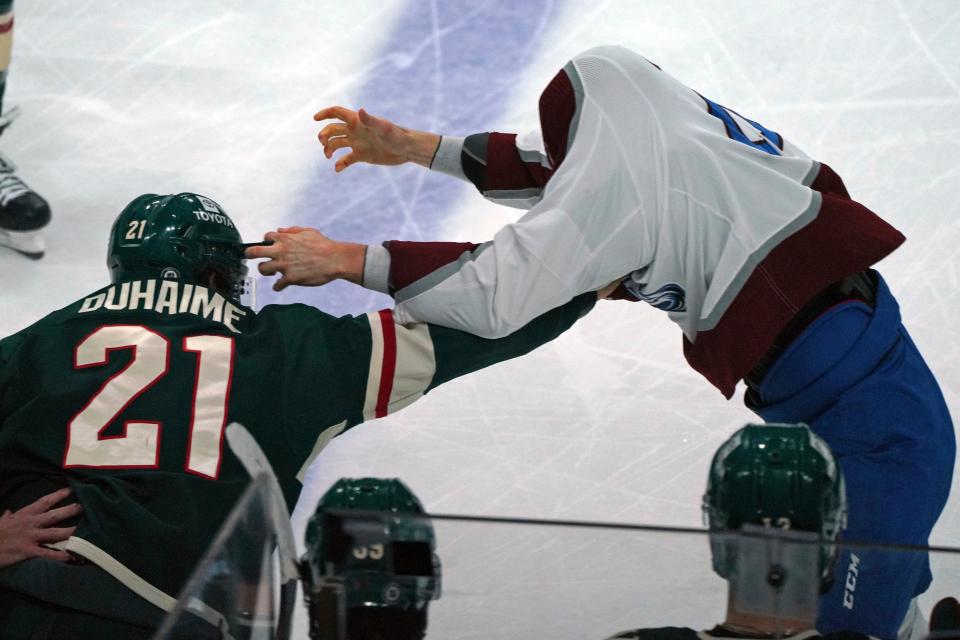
781, 475
124, 396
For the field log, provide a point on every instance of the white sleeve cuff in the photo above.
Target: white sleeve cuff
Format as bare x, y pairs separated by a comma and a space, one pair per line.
447, 158
376, 268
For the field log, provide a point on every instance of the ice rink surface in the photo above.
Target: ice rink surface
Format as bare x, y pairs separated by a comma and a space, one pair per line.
608, 422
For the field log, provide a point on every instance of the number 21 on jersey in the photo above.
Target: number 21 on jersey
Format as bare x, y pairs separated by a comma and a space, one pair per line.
138, 446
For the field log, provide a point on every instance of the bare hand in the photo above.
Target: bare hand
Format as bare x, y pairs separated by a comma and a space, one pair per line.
23, 533
307, 257
369, 139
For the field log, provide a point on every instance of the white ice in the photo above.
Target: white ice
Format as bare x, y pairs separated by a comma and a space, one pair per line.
608, 422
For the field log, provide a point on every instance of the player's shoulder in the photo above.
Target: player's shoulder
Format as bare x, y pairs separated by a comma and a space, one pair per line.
298, 317
658, 633
47, 323
48, 327
293, 313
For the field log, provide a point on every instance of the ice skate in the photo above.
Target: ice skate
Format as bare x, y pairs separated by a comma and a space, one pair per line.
23, 213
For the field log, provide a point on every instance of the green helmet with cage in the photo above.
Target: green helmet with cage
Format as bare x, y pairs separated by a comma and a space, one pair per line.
775, 475
186, 237
384, 554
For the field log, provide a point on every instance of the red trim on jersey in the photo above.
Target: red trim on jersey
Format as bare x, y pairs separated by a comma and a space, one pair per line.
844, 238
193, 406
557, 107
827, 181
506, 171
389, 365
123, 434
410, 261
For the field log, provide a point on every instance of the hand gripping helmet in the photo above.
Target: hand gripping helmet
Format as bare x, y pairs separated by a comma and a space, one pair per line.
184, 237
776, 475
387, 565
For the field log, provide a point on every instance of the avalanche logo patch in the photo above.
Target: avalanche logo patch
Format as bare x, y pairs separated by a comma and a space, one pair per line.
669, 297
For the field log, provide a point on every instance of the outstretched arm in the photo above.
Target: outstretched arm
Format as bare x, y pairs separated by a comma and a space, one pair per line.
581, 234
371, 366
412, 359
505, 168
306, 257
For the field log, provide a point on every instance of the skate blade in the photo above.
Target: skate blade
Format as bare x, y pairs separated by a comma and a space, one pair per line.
28, 243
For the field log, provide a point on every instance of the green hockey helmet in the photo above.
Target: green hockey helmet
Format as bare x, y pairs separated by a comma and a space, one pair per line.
185, 237
775, 475
383, 561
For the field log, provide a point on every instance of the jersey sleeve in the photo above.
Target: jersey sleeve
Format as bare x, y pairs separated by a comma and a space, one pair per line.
408, 360
578, 238
405, 262
506, 168
411, 261
585, 230
344, 371
513, 169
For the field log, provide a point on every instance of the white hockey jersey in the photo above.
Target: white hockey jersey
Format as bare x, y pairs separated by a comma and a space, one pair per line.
646, 180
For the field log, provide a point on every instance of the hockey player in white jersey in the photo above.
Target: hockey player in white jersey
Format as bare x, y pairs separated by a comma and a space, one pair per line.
753, 248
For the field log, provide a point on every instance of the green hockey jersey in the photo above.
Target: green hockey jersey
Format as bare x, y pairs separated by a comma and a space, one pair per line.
126, 393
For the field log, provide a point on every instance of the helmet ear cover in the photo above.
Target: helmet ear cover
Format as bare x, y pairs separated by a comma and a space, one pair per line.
186, 237
774, 475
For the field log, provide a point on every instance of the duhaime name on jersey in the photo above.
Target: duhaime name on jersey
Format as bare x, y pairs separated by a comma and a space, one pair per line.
166, 296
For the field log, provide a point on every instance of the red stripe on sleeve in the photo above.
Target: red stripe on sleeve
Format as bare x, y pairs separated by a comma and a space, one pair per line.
557, 108
506, 171
410, 261
389, 367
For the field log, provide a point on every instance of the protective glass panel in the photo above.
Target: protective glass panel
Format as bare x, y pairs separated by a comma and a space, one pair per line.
522, 580
233, 594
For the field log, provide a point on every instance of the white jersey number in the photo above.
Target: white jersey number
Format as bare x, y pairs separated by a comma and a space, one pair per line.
135, 230
138, 447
